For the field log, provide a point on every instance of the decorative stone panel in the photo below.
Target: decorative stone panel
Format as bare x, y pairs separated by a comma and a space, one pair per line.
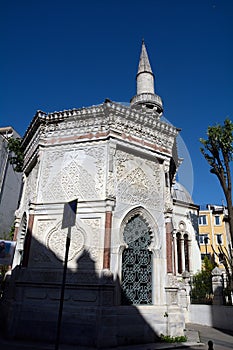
138, 181
73, 172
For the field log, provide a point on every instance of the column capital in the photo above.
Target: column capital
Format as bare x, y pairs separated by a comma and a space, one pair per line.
110, 203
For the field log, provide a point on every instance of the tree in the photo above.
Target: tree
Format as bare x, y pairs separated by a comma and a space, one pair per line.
16, 153
218, 151
202, 284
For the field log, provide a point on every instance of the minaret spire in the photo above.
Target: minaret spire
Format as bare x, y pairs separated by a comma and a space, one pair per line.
145, 76
144, 63
145, 85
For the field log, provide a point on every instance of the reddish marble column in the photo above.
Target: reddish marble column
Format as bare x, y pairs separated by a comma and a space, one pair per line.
16, 230
107, 240
169, 245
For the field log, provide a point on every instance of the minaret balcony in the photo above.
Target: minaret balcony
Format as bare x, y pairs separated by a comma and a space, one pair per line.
148, 99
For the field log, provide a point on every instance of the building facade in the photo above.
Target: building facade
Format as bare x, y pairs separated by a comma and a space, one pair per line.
10, 184
187, 256
124, 282
213, 233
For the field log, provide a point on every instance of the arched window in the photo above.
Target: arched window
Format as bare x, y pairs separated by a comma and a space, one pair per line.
137, 263
182, 243
179, 253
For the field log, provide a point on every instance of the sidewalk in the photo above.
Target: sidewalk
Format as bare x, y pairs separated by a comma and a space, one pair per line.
222, 339
198, 337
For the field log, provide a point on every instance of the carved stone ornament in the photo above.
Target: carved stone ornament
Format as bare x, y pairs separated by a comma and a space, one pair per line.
90, 122
138, 181
71, 173
111, 185
109, 116
172, 281
56, 242
29, 190
168, 207
166, 165
92, 241
182, 226
44, 226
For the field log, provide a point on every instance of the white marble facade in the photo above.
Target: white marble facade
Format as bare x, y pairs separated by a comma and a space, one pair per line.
119, 163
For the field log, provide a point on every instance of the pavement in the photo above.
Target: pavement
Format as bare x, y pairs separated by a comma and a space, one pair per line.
198, 337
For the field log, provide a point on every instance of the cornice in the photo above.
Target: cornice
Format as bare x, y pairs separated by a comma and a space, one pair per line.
109, 116
96, 122
186, 205
141, 118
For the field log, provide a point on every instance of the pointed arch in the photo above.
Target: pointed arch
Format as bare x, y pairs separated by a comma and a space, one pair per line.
150, 222
136, 269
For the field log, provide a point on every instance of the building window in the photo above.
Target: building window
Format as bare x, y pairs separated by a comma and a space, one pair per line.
179, 256
221, 258
203, 239
186, 252
182, 252
137, 263
217, 220
219, 238
202, 220
204, 255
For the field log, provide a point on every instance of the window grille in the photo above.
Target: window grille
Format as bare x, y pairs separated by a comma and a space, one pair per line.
137, 263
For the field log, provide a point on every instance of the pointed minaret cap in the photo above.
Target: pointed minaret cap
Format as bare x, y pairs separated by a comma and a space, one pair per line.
144, 63
145, 85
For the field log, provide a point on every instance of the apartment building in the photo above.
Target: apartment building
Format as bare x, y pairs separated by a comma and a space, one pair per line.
213, 232
10, 183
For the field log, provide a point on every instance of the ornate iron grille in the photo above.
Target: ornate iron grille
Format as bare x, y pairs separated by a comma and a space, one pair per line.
137, 264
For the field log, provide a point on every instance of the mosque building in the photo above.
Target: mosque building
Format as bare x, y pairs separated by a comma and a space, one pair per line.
134, 240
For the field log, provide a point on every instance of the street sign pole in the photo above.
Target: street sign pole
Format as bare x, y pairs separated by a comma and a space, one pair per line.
69, 216
63, 290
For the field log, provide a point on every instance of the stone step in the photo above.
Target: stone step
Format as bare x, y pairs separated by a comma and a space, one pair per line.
192, 335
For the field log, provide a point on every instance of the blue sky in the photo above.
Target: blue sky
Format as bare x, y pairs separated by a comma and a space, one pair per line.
58, 55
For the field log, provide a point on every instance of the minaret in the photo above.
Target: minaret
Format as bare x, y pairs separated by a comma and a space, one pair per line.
146, 96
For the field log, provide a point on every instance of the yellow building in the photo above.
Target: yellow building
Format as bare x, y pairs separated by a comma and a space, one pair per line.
212, 232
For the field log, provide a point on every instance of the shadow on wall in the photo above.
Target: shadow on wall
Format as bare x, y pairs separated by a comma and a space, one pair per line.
92, 312
195, 224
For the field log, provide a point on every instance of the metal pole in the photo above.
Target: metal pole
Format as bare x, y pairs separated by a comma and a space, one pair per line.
63, 289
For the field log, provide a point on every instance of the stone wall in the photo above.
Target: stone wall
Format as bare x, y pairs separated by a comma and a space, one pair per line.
218, 316
90, 317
